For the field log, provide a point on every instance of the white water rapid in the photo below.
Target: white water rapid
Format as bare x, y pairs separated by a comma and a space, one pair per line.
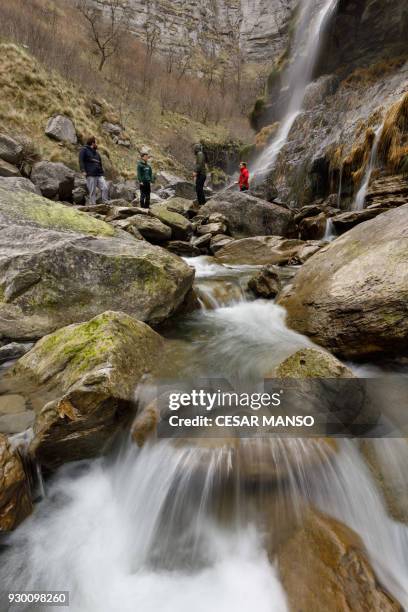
314, 16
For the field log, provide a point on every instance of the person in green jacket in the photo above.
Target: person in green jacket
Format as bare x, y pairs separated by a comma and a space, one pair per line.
145, 178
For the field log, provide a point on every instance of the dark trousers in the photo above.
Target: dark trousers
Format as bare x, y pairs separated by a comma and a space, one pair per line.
244, 188
145, 195
200, 181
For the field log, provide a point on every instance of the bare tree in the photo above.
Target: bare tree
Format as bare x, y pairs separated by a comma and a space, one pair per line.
106, 20
151, 40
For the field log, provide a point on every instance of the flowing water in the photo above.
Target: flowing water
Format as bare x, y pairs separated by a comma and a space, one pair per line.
330, 233
314, 17
362, 192
175, 527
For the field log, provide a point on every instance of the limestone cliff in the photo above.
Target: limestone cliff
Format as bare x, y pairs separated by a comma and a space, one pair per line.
259, 27
360, 81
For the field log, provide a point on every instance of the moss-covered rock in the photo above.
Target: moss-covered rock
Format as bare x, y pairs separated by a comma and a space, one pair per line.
25, 208
352, 296
181, 227
312, 363
61, 266
87, 373
15, 500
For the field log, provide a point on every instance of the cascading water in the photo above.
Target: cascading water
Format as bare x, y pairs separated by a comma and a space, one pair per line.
362, 192
195, 525
312, 22
329, 234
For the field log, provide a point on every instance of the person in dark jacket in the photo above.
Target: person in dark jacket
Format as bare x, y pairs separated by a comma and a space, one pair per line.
90, 163
145, 178
243, 177
200, 174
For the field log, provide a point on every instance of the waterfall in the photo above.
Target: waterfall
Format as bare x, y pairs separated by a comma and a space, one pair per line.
362, 192
329, 234
307, 42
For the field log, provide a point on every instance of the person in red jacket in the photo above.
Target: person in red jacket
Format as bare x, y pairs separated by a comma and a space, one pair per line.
243, 177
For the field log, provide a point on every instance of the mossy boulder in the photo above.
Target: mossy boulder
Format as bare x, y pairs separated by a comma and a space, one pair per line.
324, 566
87, 375
352, 296
312, 363
181, 227
15, 499
62, 266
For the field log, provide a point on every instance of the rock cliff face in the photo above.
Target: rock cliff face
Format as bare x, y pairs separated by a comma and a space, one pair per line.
361, 74
258, 26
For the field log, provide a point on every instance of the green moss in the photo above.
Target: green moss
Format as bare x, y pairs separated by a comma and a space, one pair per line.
28, 207
257, 112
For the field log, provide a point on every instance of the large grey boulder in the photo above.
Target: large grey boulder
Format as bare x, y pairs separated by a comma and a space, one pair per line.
60, 266
54, 179
10, 150
61, 128
8, 170
250, 216
125, 190
352, 296
19, 182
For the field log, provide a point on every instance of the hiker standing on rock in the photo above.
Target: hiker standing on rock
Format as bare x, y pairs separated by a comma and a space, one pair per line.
90, 163
200, 173
145, 178
243, 177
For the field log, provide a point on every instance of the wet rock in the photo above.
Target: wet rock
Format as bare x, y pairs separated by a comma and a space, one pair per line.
8, 170
312, 363
61, 266
318, 90
313, 228
324, 566
249, 216
19, 182
265, 250
15, 501
14, 350
183, 249
346, 221
352, 296
145, 424
11, 150
61, 128
312, 210
15, 415
89, 373
183, 189
180, 226
54, 180
387, 192
266, 283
